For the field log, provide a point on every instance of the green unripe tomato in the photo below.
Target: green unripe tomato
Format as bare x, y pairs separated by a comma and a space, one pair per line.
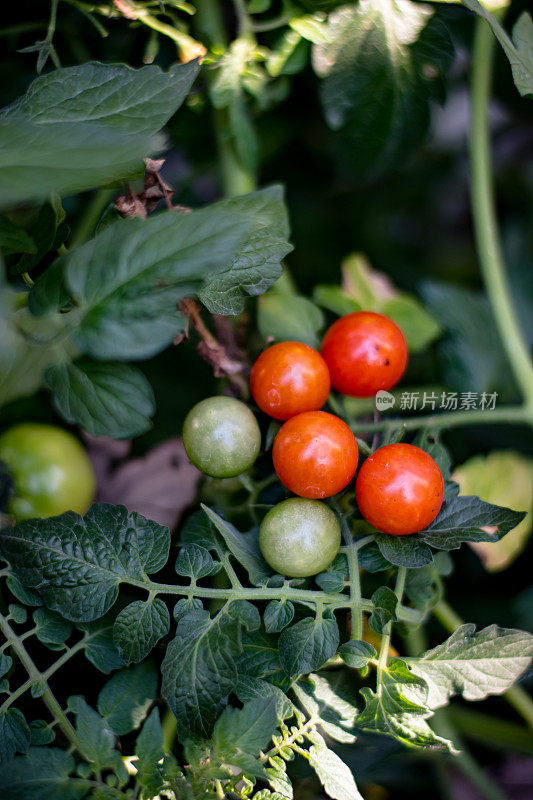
300, 537
51, 471
221, 437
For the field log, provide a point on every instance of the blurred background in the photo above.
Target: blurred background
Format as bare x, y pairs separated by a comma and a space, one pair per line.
411, 219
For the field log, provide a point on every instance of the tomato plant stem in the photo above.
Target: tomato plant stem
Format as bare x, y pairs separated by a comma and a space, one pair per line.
517, 697
484, 215
36, 676
505, 415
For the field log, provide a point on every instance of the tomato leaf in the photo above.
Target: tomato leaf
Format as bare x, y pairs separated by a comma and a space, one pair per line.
14, 734
125, 699
139, 627
78, 563
307, 646
244, 546
105, 399
41, 775
381, 51
84, 126
474, 665
199, 669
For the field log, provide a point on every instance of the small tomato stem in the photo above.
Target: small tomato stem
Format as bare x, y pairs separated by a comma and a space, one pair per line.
484, 215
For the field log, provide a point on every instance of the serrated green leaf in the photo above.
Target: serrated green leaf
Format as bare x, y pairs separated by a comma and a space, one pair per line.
260, 657
356, 653
334, 775
18, 614
250, 688
277, 615
185, 605
14, 734
25, 595
6, 662
323, 700
307, 646
41, 733
461, 519
244, 546
381, 50
500, 476
149, 750
199, 669
257, 264
81, 127
248, 729
41, 775
97, 740
105, 399
100, 648
78, 563
331, 582
384, 611
222, 252
399, 709
195, 562
125, 699
51, 627
474, 664
371, 558
139, 627
404, 551
289, 318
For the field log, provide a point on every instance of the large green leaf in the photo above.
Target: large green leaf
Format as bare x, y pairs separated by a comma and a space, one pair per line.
199, 668
248, 729
81, 127
129, 312
289, 317
78, 563
474, 664
380, 66
334, 775
139, 627
105, 399
125, 699
41, 775
307, 646
399, 709
14, 734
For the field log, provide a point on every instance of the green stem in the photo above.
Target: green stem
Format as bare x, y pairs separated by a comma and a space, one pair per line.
351, 552
484, 215
36, 676
236, 178
386, 637
92, 214
517, 697
505, 414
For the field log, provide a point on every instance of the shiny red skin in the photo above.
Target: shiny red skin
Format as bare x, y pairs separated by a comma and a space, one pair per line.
288, 379
365, 352
315, 454
399, 489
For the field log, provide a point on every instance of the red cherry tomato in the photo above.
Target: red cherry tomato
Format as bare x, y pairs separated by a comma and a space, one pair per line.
289, 378
315, 454
399, 489
365, 352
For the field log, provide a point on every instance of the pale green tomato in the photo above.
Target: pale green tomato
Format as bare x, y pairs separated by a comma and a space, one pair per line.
51, 471
300, 537
221, 437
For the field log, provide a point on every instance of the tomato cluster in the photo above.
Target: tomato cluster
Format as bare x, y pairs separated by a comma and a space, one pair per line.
399, 489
